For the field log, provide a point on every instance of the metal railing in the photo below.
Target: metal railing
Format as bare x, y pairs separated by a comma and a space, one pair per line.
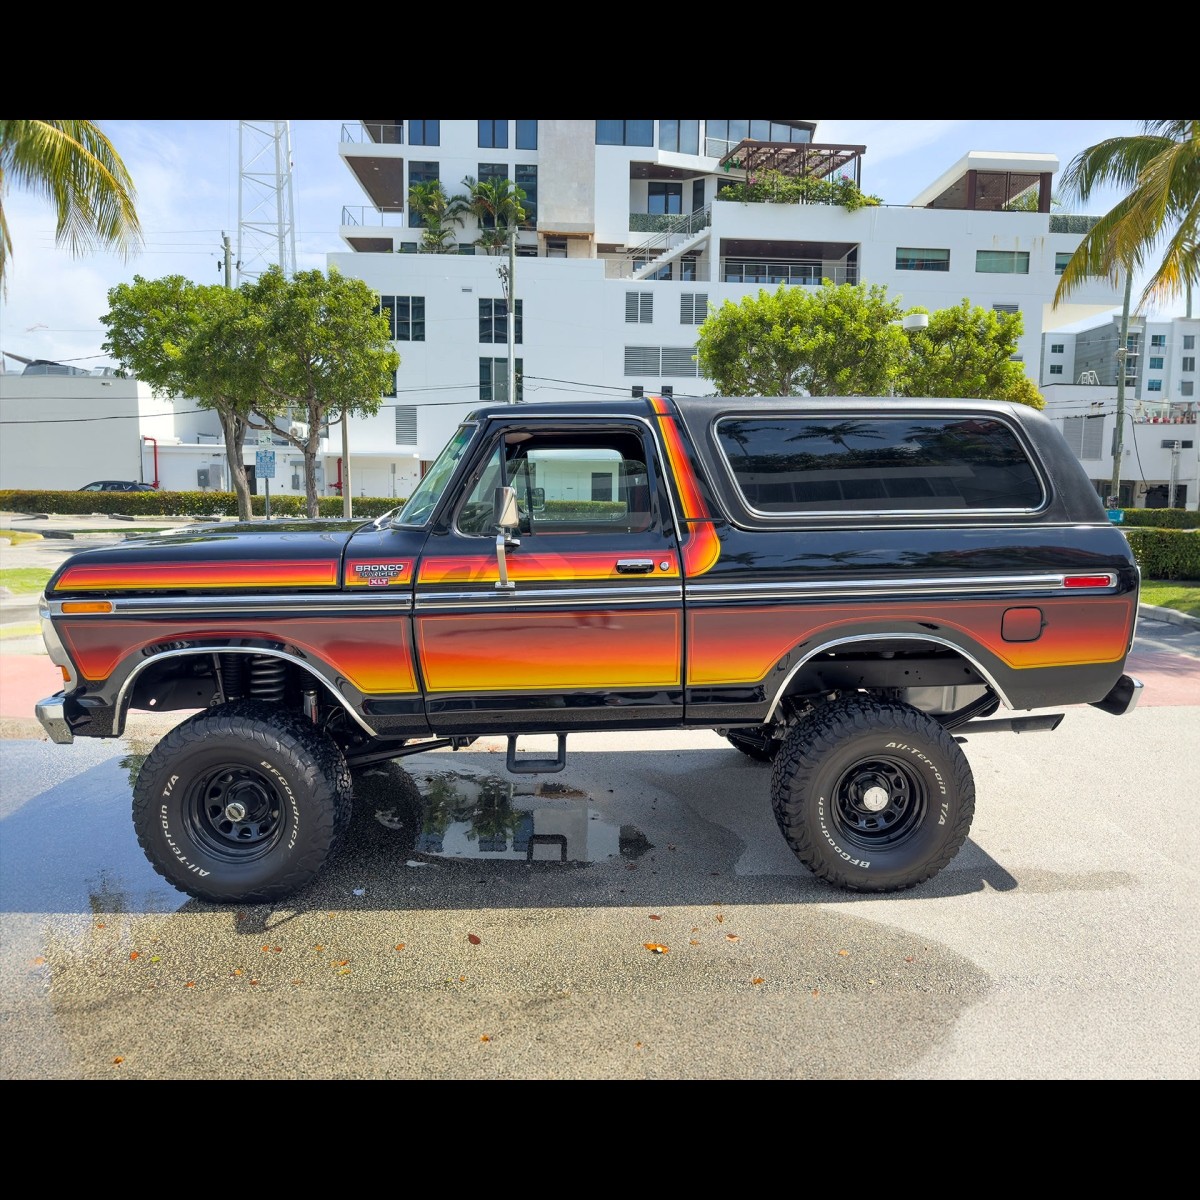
798, 272
382, 134
368, 215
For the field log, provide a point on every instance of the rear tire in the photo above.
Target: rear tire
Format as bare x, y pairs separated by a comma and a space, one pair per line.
872, 796
242, 804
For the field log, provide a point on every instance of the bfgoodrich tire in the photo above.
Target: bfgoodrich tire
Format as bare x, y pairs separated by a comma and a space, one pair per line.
872, 796
242, 804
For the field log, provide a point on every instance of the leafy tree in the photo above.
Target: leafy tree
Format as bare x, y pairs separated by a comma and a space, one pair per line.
775, 187
968, 351
498, 205
1161, 168
183, 339
835, 340
74, 165
440, 213
314, 346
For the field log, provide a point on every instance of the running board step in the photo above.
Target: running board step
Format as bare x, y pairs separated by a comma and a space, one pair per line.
536, 766
1014, 724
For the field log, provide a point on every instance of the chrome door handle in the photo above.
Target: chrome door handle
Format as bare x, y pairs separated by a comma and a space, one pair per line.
635, 566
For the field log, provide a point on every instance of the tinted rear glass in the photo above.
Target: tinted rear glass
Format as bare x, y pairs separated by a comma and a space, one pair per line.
878, 464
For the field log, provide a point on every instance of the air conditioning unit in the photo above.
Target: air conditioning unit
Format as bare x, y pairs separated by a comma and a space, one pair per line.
298, 431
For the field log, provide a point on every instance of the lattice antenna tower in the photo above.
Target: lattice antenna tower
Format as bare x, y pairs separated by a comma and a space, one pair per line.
266, 225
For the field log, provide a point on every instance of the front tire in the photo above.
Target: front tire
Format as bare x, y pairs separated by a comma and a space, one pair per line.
242, 803
872, 796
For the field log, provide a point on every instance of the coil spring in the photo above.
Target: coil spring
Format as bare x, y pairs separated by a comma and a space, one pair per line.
267, 677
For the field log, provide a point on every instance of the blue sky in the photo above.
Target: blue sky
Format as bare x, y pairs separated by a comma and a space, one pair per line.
187, 178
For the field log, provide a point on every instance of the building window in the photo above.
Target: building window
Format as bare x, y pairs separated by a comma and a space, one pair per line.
909, 258
639, 308
407, 248
556, 247
732, 132
688, 266
420, 172
664, 198
1189, 341
681, 136
1006, 308
1060, 263
602, 486
1158, 340
1187, 388
1188, 363
1057, 347
693, 308
1056, 369
526, 180
880, 464
697, 195
406, 424
493, 380
407, 316
624, 133
1156, 363
1002, 262
493, 321
1154, 385
526, 135
493, 134
424, 133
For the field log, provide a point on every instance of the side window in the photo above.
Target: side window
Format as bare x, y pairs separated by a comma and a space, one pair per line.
785, 464
565, 483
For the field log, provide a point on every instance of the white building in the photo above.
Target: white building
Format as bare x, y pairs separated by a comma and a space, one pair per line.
627, 245
1160, 459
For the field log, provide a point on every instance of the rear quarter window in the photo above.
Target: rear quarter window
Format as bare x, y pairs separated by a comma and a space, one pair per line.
784, 465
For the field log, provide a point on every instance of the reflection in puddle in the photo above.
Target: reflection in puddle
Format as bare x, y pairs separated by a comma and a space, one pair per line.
459, 815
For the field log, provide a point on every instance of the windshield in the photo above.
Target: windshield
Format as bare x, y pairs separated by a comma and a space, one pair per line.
429, 491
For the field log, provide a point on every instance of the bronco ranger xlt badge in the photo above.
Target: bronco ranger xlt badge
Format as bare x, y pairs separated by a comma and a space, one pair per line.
841, 587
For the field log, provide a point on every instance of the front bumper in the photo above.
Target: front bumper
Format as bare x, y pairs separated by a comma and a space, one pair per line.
1123, 698
50, 713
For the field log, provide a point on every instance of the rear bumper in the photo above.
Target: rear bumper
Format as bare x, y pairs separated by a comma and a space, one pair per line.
1123, 698
50, 713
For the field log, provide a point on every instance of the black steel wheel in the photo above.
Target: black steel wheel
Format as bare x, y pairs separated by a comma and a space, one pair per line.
242, 803
872, 796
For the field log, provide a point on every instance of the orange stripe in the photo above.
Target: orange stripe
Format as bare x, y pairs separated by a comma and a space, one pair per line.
160, 576
532, 566
703, 547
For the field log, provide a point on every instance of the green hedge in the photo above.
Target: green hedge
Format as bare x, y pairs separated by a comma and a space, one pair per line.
182, 504
1162, 518
1166, 553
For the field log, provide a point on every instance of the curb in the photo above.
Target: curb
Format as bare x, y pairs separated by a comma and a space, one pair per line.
1153, 612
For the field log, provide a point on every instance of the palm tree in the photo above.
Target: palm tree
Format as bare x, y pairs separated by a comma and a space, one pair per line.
74, 165
1161, 168
497, 205
439, 214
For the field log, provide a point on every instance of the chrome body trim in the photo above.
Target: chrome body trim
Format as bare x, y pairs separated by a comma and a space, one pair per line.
292, 604
895, 586
577, 597
53, 643
208, 651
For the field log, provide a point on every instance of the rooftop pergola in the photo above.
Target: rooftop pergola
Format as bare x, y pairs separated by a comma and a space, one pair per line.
800, 159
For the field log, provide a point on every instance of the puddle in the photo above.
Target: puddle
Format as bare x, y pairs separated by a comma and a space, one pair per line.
456, 814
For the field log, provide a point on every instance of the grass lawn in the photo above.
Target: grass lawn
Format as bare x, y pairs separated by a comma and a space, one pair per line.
1181, 595
24, 580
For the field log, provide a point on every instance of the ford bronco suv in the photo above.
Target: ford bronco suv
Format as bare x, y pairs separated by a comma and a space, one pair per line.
843, 588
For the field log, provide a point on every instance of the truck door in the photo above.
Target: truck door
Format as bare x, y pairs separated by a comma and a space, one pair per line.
588, 630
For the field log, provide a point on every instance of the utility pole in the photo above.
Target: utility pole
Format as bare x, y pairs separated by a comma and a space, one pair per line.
1114, 489
512, 312
347, 495
228, 258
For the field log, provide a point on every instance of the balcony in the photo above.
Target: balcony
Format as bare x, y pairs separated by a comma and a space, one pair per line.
366, 215
381, 133
797, 272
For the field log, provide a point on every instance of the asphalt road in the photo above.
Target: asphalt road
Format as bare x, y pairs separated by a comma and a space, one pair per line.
1061, 943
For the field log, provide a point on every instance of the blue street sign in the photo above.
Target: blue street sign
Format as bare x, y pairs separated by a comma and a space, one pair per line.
264, 464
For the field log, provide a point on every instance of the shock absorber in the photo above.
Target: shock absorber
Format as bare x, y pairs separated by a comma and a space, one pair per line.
267, 677
233, 676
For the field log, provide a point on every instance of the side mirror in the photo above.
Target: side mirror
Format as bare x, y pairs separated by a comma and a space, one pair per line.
504, 510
